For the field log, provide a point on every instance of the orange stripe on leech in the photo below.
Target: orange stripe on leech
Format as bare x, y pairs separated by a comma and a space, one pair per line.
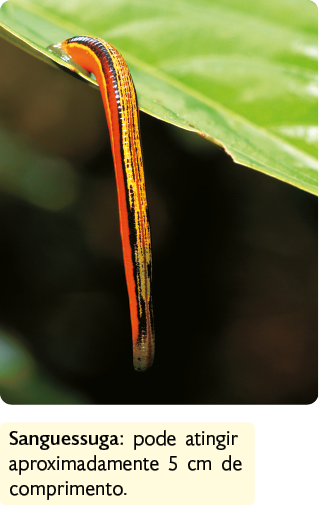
85, 57
126, 111
127, 252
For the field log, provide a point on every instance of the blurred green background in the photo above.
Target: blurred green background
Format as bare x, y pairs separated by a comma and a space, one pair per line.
234, 261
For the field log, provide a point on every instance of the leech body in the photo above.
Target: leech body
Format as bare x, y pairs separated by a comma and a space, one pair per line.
121, 108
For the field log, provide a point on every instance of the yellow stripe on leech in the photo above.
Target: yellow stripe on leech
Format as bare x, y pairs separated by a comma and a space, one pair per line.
135, 176
130, 114
135, 180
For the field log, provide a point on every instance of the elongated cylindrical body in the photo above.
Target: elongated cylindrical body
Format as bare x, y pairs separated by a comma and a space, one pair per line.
121, 108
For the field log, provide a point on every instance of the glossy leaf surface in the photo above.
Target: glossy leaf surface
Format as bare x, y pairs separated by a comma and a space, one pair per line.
243, 74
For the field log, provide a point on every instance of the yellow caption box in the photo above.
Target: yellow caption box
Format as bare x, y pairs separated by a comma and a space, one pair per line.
127, 463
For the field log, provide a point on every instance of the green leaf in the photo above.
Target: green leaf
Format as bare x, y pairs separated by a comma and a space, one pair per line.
241, 73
